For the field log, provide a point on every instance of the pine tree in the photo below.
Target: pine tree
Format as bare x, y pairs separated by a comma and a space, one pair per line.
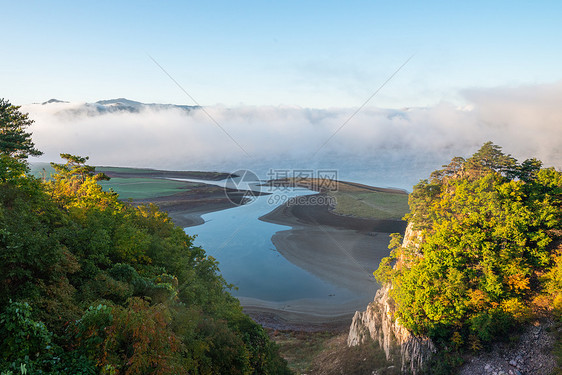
15, 142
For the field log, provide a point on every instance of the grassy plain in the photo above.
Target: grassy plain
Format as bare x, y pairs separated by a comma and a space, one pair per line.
354, 199
370, 204
143, 188
137, 183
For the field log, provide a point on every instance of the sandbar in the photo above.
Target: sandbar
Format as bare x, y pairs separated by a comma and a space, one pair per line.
341, 250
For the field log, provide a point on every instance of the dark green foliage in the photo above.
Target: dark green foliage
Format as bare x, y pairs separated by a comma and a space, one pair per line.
488, 228
15, 142
444, 362
11, 168
490, 158
33, 262
23, 339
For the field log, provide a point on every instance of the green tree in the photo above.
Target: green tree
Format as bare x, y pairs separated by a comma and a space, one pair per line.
15, 141
487, 226
25, 342
33, 263
75, 184
490, 158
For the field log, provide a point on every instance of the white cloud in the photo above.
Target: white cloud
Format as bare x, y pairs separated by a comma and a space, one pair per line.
407, 143
526, 120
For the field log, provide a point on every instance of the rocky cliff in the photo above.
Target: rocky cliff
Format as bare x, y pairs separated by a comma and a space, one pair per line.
379, 324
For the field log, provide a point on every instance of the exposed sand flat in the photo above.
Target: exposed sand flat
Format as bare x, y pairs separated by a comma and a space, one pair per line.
314, 210
191, 216
302, 314
341, 250
344, 258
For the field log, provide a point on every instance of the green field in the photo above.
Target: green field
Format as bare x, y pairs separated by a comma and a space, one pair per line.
371, 204
127, 188
143, 188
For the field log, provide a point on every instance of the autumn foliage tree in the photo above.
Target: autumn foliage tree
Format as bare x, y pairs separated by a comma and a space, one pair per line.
488, 228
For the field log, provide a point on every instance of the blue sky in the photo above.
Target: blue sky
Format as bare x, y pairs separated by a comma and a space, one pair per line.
310, 54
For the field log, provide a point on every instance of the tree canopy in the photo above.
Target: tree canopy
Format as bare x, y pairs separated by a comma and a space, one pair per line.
489, 234
15, 141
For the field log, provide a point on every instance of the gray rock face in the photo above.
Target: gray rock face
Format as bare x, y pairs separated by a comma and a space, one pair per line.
378, 323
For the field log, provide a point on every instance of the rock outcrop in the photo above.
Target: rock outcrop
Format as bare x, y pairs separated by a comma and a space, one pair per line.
530, 353
379, 324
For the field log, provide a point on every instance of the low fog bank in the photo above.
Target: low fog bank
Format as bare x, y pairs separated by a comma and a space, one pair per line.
386, 147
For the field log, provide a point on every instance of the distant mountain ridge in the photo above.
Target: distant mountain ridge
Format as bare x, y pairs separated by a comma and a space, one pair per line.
53, 101
115, 106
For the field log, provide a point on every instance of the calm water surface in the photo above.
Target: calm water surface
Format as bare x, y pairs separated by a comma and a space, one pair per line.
249, 260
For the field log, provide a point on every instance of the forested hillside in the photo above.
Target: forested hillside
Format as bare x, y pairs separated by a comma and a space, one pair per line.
91, 285
488, 253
